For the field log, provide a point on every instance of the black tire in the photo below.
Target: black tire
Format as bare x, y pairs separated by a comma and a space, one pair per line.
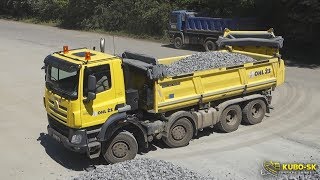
210, 46
254, 111
230, 119
178, 44
180, 133
122, 147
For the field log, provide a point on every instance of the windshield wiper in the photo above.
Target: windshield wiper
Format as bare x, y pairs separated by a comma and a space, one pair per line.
55, 80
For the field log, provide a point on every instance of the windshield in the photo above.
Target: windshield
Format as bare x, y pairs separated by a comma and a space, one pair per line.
63, 83
173, 18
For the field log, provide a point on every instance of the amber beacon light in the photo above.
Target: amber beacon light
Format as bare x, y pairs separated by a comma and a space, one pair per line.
88, 57
65, 49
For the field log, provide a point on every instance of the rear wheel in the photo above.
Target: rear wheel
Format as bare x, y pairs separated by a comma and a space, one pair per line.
180, 133
210, 46
254, 111
230, 118
123, 147
178, 42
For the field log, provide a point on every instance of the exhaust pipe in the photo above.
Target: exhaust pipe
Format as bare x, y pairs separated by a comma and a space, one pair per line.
102, 45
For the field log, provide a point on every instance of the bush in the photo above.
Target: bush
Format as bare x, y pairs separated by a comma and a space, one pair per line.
16, 8
49, 9
298, 21
78, 12
137, 17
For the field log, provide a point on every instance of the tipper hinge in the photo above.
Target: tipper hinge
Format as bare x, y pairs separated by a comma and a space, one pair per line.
245, 89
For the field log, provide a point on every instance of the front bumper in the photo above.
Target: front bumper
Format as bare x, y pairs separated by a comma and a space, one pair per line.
64, 134
80, 148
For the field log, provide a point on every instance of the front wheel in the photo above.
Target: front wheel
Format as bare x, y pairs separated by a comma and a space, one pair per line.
178, 42
122, 147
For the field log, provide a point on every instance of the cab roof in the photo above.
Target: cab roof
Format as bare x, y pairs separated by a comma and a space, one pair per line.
78, 56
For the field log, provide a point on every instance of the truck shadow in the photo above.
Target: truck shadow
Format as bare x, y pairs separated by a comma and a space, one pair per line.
302, 64
67, 158
300, 56
80, 162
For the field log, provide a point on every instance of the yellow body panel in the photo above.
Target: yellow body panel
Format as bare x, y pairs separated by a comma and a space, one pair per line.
220, 83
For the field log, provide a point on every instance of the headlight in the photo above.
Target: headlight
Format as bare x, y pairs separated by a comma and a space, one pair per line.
76, 139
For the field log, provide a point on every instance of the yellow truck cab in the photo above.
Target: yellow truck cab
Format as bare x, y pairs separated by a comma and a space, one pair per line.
112, 106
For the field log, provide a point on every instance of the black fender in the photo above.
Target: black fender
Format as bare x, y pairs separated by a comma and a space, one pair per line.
117, 121
211, 38
178, 115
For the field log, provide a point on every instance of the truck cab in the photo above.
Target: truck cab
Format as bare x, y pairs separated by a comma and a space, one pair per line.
177, 19
67, 96
84, 88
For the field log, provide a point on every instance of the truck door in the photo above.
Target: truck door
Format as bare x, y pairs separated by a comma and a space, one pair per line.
98, 110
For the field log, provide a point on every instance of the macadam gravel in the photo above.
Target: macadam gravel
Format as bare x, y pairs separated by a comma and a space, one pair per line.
142, 169
206, 60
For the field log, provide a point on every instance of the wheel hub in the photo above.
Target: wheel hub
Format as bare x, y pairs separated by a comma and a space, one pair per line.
232, 117
178, 132
178, 43
256, 110
120, 149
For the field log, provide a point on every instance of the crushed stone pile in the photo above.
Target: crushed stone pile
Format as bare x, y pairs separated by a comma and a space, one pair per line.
205, 60
141, 168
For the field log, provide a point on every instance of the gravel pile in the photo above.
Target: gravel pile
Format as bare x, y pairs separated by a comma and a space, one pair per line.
205, 60
141, 169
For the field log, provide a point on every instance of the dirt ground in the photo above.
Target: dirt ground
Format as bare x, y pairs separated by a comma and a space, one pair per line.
290, 132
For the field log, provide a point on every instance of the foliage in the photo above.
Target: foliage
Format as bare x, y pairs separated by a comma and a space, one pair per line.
297, 20
17, 8
49, 9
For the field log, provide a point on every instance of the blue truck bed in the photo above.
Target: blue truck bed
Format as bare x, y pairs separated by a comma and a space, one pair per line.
209, 24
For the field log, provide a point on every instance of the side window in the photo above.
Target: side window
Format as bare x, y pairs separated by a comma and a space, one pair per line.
103, 76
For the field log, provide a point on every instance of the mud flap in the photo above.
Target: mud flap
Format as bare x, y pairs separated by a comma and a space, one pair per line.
94, 150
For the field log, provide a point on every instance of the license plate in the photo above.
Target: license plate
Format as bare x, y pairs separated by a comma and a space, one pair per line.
56, 137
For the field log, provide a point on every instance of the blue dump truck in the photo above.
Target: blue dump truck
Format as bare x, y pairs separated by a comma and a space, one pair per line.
185, 28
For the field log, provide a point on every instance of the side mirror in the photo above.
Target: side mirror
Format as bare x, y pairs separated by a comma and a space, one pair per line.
102, 45
92, 82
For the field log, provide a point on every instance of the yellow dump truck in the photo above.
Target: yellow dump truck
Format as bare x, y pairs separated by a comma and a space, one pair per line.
112, 106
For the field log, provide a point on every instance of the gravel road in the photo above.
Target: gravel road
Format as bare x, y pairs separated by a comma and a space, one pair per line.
289, 133
140, 169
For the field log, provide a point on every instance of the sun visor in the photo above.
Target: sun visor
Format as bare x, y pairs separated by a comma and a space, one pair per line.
61, 64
